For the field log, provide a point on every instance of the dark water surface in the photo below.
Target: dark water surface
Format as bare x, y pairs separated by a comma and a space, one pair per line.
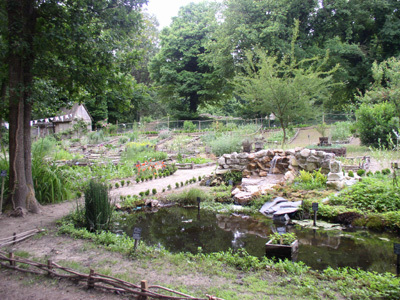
185, 230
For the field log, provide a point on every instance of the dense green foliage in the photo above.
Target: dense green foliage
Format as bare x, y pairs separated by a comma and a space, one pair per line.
375, 124
289, 88
375, 194
310, 180
182, 68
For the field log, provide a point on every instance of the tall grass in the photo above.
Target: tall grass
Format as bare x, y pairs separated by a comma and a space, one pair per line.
189, 197
98, 209
51, 186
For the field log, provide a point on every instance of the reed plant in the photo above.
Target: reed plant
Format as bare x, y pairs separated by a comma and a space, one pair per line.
98, 208
50, 183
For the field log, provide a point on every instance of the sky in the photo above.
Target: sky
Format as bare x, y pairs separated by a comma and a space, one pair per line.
164, 10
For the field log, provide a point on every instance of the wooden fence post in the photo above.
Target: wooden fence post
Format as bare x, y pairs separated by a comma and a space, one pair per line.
91, 279
49, 267
11, 256
144, 285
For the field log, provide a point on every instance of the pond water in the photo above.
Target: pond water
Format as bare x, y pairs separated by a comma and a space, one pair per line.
185, 230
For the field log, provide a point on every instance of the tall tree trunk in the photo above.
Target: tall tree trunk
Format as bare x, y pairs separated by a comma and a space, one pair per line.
21, 23
193, 102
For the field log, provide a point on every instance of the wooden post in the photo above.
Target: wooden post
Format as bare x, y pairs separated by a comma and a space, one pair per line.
11, 256
144, 286
2, 191
49, 267
14, 238
136, 244
91, 279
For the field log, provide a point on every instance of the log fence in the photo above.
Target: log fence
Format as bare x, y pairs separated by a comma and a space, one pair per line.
93, 279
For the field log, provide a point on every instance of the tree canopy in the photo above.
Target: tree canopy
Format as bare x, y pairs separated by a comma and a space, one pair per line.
182, 70
287, 88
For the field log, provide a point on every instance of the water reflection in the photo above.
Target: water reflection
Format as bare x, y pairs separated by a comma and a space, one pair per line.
186, 230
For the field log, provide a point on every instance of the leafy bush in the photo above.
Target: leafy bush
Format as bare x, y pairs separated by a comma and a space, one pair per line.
164, 133
371, 194
309, 181
360, 172
282, 239
341, 131
96, 137
225, 143
235, 176
98, 209
189, 126
351, 173
375, 124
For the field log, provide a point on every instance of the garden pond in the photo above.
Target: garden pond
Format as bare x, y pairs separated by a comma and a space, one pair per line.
187, 230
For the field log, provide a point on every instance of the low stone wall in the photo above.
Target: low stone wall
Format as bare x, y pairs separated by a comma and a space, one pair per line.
266, 162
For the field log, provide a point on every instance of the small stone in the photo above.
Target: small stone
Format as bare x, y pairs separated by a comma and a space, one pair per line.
221, 160
305, 152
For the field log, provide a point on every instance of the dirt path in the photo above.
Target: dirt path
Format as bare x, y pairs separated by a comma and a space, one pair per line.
51, 213
306, 137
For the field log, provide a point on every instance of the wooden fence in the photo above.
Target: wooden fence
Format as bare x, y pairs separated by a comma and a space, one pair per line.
92, 280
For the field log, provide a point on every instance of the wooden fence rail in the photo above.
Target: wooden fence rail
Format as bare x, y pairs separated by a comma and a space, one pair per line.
92, 279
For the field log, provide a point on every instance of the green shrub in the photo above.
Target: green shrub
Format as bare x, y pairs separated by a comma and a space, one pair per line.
371, 194
176, 184
147, 192
341, 131
96, 137
375, 124
351, 173
189, 126
309, 181
154, 191
360, 172
282, 239
386, 171
235, 176
98, 209
116, 185
226, 143
122, 182
164, 133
